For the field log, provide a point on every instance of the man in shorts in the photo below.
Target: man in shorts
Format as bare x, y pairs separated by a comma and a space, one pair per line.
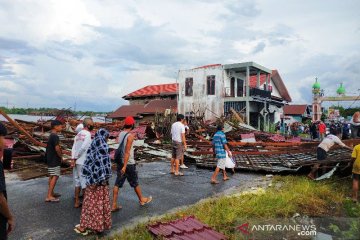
178, 144
128, 170
321, 151
54, 159
220, 148
356, 172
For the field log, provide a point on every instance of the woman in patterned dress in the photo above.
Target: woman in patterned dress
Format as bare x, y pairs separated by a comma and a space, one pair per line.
96, 211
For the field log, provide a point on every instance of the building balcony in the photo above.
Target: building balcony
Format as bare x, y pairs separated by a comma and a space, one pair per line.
260, 93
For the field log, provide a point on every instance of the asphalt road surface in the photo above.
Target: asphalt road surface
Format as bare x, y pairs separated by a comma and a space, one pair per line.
36, 219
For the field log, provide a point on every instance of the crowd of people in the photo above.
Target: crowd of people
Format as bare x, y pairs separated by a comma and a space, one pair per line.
317, 130
92, 168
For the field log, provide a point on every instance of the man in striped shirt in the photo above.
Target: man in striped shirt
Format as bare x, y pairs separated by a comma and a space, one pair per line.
220, 148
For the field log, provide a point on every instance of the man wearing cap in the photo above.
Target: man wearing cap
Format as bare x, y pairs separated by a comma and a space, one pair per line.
6, 218
127, 170
178, 144
81, 144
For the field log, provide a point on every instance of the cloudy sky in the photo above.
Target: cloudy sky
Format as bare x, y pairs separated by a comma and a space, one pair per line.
92, 52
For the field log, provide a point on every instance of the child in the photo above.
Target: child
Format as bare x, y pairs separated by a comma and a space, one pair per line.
356, 172
54, 159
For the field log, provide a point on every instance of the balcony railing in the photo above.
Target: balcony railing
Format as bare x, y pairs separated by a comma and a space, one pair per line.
260, 93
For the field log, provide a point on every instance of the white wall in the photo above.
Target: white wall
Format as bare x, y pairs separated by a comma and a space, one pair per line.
200, 99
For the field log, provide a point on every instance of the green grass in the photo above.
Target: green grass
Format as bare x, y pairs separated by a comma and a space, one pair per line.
287, 196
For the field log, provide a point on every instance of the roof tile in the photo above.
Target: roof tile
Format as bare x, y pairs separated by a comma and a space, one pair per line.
161, 89
188, 228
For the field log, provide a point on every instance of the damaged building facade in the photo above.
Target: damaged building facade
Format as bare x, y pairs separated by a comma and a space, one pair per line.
212, 91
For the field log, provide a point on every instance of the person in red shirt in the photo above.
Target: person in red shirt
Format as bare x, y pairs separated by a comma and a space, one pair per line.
322, 130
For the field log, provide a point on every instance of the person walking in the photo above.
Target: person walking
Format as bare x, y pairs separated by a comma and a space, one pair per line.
220, 148
96, 211
178, 144
321, 151
54, 159
356, 172
355, 125
7, 222
126, 167
81, 144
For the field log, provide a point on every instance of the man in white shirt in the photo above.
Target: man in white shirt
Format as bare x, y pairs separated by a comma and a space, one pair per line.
178, 144
81, 144
329, 141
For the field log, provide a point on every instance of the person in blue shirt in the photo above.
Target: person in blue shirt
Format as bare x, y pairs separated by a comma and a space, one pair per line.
220, 148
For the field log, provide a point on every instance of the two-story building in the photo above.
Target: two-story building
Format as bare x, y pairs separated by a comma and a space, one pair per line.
256, 92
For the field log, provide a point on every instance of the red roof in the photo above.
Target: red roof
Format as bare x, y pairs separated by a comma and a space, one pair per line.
277, 80
160, 105
295, 109
127, 110
161, 89
209, 66
186, 228
154, 106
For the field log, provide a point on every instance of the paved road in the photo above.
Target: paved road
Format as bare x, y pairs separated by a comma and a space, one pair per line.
36, 219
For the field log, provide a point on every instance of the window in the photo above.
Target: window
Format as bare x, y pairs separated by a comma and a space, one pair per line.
240, 87
188, 86
210, 81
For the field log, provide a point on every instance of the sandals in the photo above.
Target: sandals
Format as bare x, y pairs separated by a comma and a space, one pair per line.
116, 209
54, 200
179, 174
214, 182
57, 195
148, 201
225, 179
82, 232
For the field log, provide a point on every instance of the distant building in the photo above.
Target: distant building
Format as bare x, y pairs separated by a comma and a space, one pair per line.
256, 92
147, 101
298, 113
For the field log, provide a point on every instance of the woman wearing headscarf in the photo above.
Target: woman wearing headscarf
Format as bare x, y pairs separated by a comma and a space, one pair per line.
96, 211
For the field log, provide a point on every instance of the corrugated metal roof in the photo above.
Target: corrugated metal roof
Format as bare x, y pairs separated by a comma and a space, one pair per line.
161, 89
185, 229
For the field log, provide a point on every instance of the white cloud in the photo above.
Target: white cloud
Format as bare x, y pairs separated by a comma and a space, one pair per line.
92, 52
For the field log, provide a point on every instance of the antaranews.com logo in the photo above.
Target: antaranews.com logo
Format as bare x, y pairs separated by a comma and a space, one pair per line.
302, 230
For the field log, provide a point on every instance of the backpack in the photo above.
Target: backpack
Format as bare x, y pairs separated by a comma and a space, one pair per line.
119, 153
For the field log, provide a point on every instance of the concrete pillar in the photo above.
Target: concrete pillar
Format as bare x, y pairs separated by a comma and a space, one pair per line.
265, 114
258, 79
267, 81
247, 84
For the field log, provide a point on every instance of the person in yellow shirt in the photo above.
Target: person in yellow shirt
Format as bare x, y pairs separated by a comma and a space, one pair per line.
356, 172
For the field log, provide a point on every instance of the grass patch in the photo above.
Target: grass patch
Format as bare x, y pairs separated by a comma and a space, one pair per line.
287, 196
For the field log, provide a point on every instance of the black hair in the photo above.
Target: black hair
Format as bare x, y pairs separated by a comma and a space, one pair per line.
55, 123
180, 117
129, 126
220, 127
3, 131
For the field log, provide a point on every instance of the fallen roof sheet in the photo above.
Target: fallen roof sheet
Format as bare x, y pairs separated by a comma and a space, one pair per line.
185, 229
